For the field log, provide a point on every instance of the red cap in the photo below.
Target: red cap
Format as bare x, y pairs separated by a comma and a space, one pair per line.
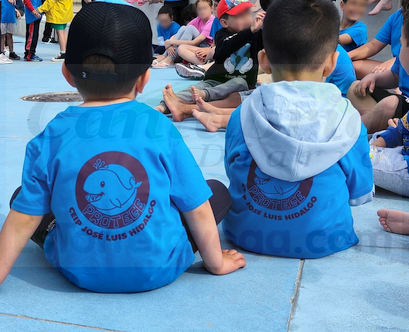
232, 7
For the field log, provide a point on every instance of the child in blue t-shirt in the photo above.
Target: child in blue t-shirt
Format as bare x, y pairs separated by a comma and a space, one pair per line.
352, 32
8, 29
372, 99
389, 34
166, 28
102, 190
297, 154
33, 19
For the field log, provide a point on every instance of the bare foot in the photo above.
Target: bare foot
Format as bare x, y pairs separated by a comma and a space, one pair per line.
394, 221
196, 93
393, 122
179, 110
206, 107
169, 90
212, 122
382, 5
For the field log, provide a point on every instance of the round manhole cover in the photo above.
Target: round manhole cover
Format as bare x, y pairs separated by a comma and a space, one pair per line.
55, 97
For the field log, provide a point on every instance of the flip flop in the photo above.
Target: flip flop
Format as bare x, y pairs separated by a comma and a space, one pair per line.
155, 62
162, 65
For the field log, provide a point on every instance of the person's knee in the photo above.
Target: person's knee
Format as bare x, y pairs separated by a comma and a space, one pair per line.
388, 106
350, 93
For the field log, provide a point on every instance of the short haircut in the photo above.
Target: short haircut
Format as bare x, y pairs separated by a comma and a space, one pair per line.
189, 12
265, 4
166, 10
301, 33
99, 89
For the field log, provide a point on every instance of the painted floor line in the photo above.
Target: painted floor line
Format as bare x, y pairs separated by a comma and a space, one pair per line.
294, 299
57, 322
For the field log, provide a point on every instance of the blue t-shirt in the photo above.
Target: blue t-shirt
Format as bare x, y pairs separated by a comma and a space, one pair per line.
8, 12
169, 32
391, 32
116, 178
397, 69
359, 34
344, 73
216, 26
312, 221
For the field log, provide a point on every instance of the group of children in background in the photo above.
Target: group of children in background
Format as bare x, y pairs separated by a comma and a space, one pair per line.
296, 153
58, 14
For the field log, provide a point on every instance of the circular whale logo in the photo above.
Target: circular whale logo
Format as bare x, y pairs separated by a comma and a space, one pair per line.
275, 194
112, 190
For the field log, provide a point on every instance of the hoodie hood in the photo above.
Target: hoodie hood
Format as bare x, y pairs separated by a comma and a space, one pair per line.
296, 130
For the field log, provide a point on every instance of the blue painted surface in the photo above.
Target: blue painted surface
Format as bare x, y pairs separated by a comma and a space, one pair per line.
361, 289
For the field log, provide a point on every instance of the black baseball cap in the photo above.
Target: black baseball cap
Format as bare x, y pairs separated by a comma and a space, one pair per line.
116, 30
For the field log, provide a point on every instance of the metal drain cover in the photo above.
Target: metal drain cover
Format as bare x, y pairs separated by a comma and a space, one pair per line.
54, 97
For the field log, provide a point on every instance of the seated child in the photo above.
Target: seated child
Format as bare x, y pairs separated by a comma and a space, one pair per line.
394, 221
297, 154
375, 104
198, 55
352, 33
104, 197
196, 33
236, 62
388, 35
166, 28
8, 29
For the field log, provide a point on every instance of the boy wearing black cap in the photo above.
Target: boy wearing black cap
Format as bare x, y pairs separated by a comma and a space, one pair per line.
109, 170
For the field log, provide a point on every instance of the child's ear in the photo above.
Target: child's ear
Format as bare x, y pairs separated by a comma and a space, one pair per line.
330, 64
142, 81
67, 75
263, 61
223, 23
341, 5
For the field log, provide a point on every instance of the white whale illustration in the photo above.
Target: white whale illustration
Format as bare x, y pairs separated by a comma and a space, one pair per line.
274, 188
112, 189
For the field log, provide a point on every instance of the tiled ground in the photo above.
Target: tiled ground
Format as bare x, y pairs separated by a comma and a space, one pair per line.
362, 289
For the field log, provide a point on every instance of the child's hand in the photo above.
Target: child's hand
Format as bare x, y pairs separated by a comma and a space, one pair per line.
36, 13
368, 82
202, 53
172, 51
232, 261
168, 43
258, 22
13, 2
393, 122
379, 142
18, 13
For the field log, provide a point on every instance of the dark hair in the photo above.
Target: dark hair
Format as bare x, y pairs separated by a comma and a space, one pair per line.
301, 33
189, 13
209, 2
166, 10
405, 7
101, 90
265, 4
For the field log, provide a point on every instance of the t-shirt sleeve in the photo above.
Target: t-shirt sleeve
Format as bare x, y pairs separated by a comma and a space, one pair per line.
188, 188
357, 167
393, 137
34, 197
194, 22
359, 34
385, 34
396, 66
174, 29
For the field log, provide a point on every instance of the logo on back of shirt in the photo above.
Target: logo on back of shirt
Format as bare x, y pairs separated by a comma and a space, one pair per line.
240, 60
112, 190
277, 195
